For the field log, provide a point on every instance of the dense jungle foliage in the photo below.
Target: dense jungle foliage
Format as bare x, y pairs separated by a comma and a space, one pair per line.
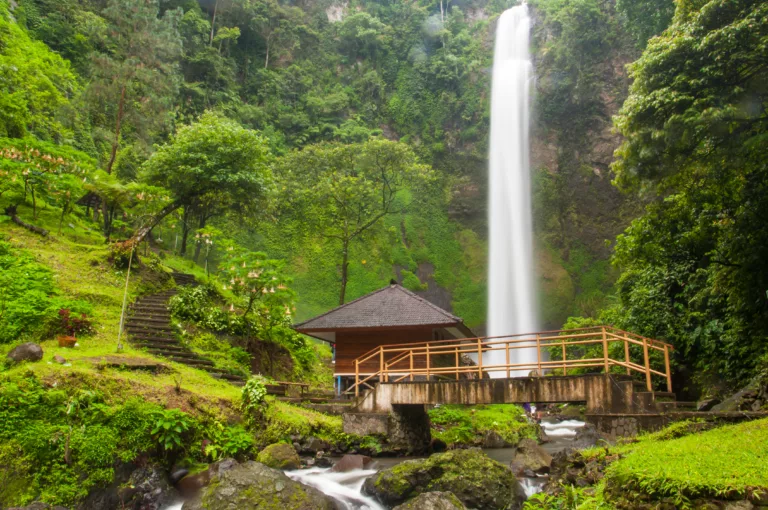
127, 94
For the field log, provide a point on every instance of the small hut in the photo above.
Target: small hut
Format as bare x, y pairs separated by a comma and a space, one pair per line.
392, 315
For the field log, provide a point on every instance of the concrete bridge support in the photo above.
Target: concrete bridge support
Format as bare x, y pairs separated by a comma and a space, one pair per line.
397, 410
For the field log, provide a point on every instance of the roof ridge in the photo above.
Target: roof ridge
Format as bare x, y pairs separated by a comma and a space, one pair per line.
342, 306
422, 302
428, 302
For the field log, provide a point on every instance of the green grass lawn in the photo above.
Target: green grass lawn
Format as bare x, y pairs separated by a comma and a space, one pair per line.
457, 424
729, 461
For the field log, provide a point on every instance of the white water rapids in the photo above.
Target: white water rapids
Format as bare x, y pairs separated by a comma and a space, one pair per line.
511, 296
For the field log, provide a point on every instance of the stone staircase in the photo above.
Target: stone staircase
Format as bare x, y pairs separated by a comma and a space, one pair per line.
654, 401
149, 327
324, 402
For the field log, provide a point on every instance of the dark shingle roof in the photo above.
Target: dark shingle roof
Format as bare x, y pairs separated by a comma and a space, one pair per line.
391, 306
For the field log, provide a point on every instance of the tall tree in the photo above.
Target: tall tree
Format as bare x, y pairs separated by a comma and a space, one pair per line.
214, 157
696, 127
134, 82
346, 190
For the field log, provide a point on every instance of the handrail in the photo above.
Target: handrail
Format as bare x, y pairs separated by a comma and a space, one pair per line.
391, 354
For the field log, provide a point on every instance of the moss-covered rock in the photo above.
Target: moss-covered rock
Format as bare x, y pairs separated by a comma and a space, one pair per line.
280, 456
474, 478
433, 501
254, 486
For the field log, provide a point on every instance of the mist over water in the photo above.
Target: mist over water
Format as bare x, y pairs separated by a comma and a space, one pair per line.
511, 296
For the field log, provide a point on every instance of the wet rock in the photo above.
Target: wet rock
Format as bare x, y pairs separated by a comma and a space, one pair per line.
178, 474
530, 455
191, 485
739, 505
492, 439
586, 437
314, 445
433, 501
475, 479
279, 456
351, 462
59, 359
323, 460
26, 352
134, 488
437, 446
707, 404
254, 486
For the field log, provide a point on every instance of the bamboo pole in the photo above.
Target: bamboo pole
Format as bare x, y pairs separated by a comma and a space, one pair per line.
457, 363
538, 355
427, 362
357, 378
647, 365
508, 362
381, 366
669, 372
479, 359
565, 369
626, 355
605, 350
411, 358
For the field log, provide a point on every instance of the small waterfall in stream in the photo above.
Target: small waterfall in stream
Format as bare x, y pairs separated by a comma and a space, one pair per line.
511, 296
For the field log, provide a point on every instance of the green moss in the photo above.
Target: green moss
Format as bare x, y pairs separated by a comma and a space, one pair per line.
467, 425
279, 456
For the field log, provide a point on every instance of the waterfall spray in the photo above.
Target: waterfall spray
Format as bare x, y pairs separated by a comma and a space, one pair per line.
511, 296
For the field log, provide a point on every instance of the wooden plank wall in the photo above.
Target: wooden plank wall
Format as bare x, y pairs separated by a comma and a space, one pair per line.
351, 345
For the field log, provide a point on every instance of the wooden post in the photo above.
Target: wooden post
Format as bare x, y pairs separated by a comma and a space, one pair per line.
357, 378
538, 355
605, 350
626, 355
427, 362
507, 350
565, 367
382, 374
669, 372
647, 365
457, 363
479, 359
410, 356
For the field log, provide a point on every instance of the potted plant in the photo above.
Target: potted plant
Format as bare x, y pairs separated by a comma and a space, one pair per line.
71, 325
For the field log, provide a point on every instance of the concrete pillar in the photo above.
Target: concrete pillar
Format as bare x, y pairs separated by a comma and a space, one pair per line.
409, 428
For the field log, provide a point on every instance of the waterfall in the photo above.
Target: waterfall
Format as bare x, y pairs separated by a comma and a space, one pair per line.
511, 296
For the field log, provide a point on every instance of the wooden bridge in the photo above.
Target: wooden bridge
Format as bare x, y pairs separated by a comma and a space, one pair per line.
602, 349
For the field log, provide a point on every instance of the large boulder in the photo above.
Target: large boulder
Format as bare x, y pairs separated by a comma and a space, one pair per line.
279, 456
530, 456
492, 439
191, 484
254, 486
351, 462
26, 352
433, 501
314, 445
586, 437
475, 479
134, 488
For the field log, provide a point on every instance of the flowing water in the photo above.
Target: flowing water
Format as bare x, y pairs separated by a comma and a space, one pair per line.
511, 297
345, 488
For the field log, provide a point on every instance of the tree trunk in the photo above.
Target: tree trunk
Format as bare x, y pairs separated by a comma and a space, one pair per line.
118, 124
344, 270
266, 60
184, 232
11, 211
213, 22
142, 232
199, 245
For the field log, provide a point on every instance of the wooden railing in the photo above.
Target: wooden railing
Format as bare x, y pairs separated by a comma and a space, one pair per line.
397, 362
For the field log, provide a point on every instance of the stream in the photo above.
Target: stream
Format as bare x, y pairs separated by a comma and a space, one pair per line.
345, 488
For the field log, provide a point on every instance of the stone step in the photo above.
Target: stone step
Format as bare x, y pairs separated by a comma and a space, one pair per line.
226, 376
176, 353
149, 328
148, 319
154, 300
150, 309
159, 346
191, 362
153, 336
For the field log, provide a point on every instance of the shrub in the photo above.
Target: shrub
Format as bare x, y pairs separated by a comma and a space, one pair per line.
171, 428
254, 392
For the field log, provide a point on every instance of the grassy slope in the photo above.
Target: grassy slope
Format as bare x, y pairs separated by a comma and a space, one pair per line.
730, 461
458, 424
